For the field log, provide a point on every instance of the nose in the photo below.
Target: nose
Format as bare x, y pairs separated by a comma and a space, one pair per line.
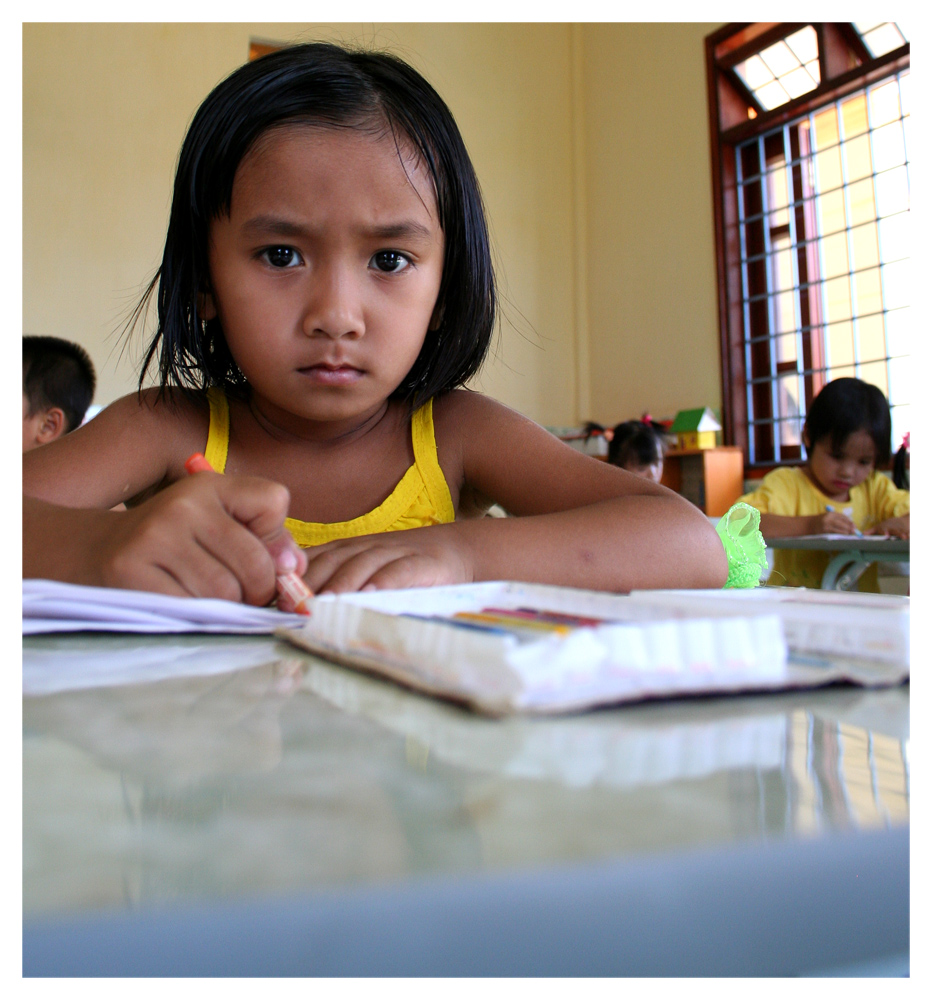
846, 467
334, 306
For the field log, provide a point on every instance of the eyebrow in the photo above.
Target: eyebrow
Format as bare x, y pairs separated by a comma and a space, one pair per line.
274, 225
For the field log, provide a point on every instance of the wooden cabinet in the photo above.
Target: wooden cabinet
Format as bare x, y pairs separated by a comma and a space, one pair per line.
712, 478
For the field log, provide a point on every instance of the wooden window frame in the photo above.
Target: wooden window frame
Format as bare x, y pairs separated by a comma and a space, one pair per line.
735, 116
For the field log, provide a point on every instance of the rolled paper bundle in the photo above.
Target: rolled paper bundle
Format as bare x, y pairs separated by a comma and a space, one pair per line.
739, 530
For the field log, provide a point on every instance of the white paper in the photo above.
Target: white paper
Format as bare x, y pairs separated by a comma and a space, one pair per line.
51, 606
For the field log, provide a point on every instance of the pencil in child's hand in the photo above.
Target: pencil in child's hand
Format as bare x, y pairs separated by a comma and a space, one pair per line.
290, 585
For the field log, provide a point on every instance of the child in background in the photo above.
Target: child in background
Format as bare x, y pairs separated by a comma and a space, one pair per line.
839, 490
326, 287
638, 446
58, 386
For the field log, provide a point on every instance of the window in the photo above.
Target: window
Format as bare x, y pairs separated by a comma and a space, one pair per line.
810, 130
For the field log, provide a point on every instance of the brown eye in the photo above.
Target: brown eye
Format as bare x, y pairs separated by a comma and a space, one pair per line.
281, 256
390, 261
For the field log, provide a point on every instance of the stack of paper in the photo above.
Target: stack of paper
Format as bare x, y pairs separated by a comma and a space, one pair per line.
469, 643
50, 606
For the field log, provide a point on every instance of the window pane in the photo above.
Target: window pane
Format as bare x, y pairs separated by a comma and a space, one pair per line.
854, 116
871, 341
885, 104
861, 206
899, 332
892, 191
828, 169
901, 379
832, 211
889, 150
858, 158
876, 373
840, 346
826, 128
894, 237
864, 249
896, 284
804, 44
867, 297
835, 255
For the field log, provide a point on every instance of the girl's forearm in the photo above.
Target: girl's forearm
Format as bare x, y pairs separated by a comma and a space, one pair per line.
628, 543
58, 542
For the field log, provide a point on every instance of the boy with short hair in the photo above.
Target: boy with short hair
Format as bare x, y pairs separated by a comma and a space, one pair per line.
58, 386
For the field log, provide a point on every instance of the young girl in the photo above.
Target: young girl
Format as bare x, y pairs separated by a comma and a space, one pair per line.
638, 446
635, 445
326, 286
838, 491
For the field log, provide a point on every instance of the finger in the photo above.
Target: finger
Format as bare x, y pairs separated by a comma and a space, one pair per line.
182, 569
410, 571
286, 554
325, 560
230, 561
258, 504
358, 569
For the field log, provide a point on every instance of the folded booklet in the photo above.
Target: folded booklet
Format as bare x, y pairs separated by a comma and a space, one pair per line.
50, 606
505, 647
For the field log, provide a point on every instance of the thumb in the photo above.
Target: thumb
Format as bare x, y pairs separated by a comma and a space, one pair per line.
287, 555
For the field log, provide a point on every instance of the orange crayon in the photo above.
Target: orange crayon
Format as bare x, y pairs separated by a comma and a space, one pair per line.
290, 585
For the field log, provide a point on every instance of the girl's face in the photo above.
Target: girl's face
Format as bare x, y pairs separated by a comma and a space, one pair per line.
653, 471
837, 471
326, 272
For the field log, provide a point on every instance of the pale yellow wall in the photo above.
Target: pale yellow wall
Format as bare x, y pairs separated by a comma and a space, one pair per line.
105, 110
651, 252
105, 107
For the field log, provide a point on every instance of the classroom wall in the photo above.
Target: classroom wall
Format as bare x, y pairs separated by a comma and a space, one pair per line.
652, 309
592, 325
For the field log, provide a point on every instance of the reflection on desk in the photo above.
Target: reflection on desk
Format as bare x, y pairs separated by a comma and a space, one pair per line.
293, 776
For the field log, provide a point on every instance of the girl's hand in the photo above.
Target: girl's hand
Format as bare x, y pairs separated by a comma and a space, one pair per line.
896, 527
833, 522
419, 557
205, 536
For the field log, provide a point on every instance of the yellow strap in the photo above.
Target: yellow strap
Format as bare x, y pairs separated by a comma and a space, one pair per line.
218, 435
424, 443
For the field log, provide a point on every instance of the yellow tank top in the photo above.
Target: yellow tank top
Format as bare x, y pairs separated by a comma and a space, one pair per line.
421, 498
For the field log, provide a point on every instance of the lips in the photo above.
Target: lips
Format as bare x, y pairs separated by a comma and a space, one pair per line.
328, 373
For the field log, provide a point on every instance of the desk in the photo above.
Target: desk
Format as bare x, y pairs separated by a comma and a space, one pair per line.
853, 554
291, 817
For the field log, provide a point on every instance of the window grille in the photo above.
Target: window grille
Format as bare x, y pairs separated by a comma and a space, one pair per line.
824, 228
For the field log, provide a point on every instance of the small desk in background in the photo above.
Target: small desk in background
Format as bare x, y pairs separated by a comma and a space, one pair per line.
853, 554
711, 478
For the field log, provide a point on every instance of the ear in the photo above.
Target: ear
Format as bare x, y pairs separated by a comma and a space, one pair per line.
51, 426
206, 308
806, 441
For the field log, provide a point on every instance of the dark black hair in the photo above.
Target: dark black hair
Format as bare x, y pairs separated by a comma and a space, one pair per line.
635, 442
845, 406
58, 373
320, 85
901, 468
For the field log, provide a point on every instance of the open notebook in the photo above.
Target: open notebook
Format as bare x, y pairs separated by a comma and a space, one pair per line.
502, 648
50, 606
